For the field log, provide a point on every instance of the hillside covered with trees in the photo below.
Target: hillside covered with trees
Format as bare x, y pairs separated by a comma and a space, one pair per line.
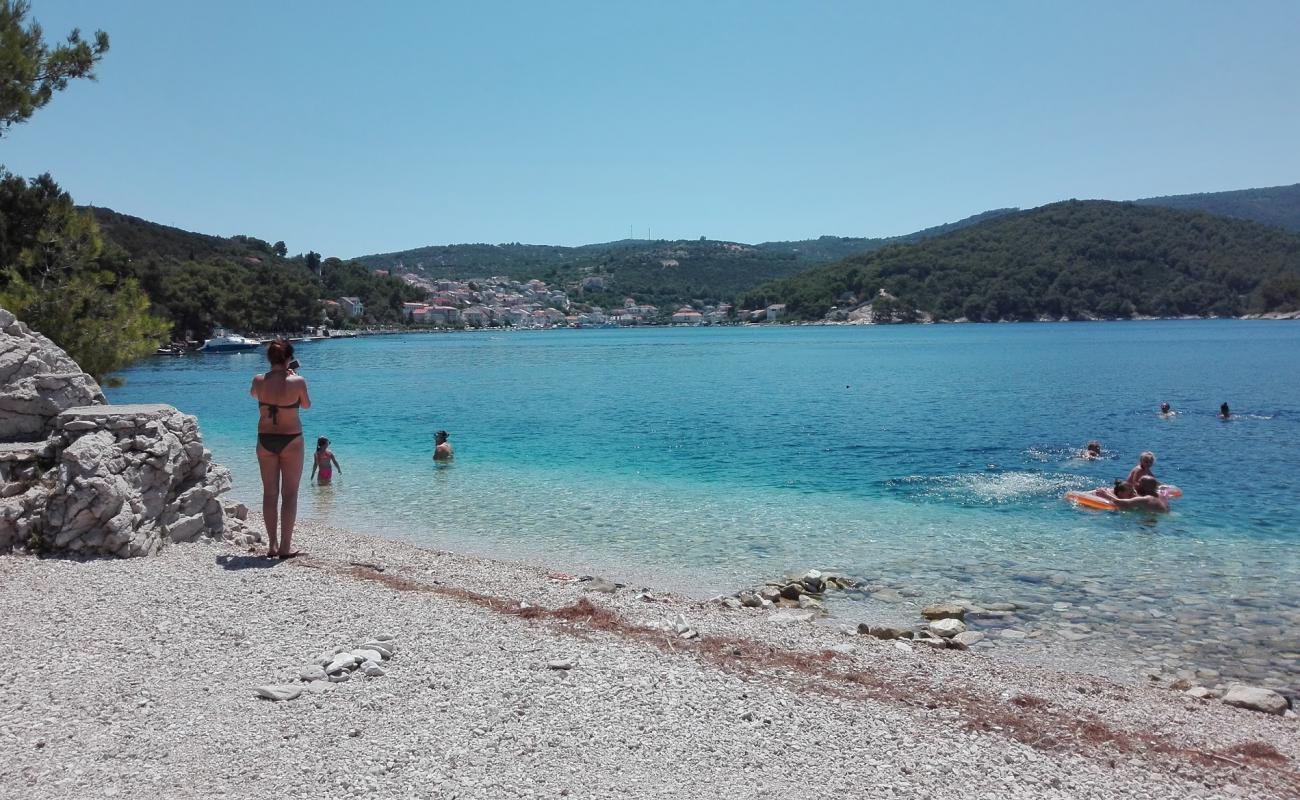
199, 282
1278, 206
1076, 259
661, 272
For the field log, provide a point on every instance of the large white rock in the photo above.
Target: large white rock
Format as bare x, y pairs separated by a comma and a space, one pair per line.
947, 627
1256, 699
38, 380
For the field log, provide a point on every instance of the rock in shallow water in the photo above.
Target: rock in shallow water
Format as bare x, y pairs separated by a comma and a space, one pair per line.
947, 627
944, 611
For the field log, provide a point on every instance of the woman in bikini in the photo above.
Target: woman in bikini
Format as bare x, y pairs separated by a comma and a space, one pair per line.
279, 394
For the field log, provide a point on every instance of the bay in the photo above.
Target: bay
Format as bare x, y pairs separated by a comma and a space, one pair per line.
927, 459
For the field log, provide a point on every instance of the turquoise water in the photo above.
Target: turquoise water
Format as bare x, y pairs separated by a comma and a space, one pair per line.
926, 459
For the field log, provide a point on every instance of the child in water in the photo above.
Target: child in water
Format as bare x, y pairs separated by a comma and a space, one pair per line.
325, 461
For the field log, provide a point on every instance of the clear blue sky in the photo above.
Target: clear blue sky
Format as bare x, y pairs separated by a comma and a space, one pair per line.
351, 128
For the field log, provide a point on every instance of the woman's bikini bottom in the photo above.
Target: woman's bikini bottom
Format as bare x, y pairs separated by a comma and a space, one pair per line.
275, 442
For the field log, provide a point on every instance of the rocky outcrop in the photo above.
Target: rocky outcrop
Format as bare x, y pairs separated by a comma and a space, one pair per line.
92, 478
37, 382
114, 480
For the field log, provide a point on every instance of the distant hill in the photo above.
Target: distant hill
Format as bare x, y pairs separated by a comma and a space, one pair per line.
662, 272
1076, 259
1276, 205
826, 249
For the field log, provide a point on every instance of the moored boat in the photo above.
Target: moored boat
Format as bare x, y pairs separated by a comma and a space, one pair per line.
223, 341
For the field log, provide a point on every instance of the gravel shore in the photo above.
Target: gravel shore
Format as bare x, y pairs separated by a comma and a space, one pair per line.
136, 678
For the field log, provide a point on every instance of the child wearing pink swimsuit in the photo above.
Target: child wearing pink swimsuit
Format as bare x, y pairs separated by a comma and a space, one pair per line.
324, 461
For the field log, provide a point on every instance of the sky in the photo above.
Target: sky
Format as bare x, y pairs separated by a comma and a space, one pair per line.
352, 128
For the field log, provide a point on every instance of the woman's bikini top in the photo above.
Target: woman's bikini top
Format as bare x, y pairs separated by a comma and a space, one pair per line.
275, 410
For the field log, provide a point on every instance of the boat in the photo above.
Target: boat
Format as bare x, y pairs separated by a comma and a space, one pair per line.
173, 349
223, 341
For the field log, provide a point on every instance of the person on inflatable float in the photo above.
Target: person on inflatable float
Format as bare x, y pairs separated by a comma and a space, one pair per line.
1148, 497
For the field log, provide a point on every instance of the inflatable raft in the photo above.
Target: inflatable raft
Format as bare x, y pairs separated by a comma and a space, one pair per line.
1096, 501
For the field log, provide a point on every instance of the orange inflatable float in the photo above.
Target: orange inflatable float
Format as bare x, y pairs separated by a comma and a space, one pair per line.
1096, 501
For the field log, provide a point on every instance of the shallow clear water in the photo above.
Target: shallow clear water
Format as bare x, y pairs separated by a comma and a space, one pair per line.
928, 459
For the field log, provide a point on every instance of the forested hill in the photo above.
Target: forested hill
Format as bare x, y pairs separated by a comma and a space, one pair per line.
662, 272
653, 271
1275, 205
1076, 259
825, 249
199, 282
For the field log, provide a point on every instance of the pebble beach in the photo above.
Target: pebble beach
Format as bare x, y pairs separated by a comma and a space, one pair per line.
140, 678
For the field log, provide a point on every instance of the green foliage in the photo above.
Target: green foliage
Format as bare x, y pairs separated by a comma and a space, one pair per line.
100, 319
1276, 205
30, 70
1073, 259
200, 282
59, 278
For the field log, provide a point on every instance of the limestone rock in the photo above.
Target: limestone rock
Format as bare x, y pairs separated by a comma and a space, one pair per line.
968, 638
947, 627
944, 611
278, 691
312, 673
38, 380
885, 631
750, 600
1256, 699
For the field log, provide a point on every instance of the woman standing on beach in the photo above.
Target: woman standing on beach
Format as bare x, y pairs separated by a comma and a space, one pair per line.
279, 394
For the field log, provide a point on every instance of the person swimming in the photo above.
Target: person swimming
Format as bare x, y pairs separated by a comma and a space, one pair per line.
1166, 410
325, 461
442, 450
1147, 498
1225, 412
1143, 469
1093, 450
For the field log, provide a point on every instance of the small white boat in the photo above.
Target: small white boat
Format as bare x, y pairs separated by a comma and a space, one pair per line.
223, 341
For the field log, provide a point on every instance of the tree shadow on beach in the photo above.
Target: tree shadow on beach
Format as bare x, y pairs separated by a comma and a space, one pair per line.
246, 562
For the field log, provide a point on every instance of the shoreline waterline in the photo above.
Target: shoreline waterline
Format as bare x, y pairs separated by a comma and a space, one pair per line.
912, 459
506, 675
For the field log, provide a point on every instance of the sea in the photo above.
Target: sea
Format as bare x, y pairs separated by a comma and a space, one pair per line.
929, 462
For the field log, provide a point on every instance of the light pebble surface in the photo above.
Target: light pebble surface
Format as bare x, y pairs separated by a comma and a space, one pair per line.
136, 679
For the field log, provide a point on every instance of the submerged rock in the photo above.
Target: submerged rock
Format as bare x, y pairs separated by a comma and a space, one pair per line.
944, 611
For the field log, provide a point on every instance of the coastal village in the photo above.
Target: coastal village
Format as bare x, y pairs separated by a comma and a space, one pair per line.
503, 302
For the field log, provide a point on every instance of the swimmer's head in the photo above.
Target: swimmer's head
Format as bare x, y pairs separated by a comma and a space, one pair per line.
1164, 408
1147, 459
322, 443
1148, 485
1094, 447
440, 437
